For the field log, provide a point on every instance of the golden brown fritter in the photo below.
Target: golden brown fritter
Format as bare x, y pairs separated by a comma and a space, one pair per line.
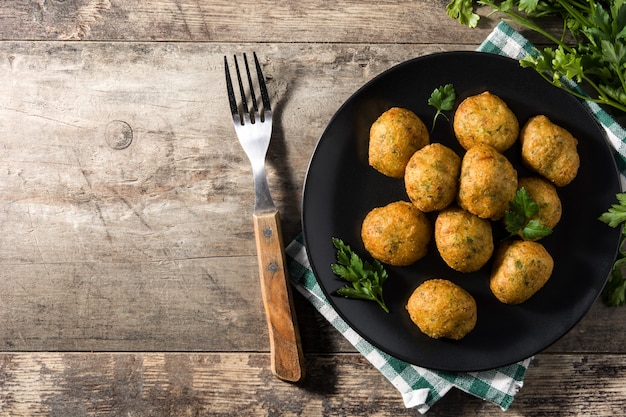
520, 269
431, 178
545, 195
485, 118
550, 150
394, 138
464, 240
397, 234
488, 182
441, 308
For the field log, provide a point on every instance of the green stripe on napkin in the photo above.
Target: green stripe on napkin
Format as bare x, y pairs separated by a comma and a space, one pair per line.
420, 387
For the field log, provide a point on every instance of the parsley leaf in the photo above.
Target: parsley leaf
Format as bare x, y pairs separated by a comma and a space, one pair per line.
442, 99
534, 230
524, 204
615, 290
615, 215
366, 279
518, 220
463, 11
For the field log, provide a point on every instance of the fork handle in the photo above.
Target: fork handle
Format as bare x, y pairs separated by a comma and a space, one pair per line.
287, 359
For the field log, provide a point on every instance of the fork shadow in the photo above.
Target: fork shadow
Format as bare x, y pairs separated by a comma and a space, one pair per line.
287, 192
319, 338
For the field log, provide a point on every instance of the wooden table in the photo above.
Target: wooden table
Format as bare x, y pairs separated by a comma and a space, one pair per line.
129, 280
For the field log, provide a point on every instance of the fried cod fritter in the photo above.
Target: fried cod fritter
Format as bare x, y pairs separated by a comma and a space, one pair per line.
464, 240
441, 308
550, 150
488, 182
432, 176
545, 195
394, 138
397, 234
520, 269
485, 118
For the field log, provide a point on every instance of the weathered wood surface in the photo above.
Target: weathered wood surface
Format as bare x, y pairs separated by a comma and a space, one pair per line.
237, 384
160, 232
351, 21
149, 249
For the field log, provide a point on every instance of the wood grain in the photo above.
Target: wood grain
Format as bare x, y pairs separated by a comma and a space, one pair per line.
351, 21
287, 360
235, 384
315, 21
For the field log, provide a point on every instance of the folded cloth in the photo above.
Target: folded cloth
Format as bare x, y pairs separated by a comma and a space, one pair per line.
420, 387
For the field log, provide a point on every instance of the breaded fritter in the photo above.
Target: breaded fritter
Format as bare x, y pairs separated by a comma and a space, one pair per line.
488, 182
550, 150
464, 240
441, 308
485, 118
396, 234
431, 178
520, 269
394, 138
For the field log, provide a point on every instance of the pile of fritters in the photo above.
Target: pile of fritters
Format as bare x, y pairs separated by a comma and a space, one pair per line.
465, 194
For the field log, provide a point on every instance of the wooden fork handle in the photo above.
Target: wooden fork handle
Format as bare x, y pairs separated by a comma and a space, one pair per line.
287, 359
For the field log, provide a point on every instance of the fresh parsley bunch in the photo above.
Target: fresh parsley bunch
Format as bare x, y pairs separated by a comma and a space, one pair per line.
366, 279
596, 56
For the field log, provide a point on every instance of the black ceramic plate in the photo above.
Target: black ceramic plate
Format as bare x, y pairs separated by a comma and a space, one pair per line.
341, 188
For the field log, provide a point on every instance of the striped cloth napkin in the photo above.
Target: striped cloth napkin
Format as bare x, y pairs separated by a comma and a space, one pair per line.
420, 387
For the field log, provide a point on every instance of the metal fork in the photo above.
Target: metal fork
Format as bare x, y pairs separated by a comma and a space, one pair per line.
254, 129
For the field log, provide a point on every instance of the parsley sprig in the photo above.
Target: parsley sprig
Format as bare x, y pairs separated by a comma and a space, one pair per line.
596, 56
442, 99
519, 219
616, 214
366, 279
615, 290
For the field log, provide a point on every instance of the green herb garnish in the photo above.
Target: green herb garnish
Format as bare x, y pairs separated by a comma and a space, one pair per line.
615, 290
615, 215
442, 99
366, 279
591, 48
519, 220
463, 11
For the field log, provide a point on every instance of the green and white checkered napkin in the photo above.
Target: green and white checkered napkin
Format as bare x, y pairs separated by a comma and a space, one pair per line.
418, 386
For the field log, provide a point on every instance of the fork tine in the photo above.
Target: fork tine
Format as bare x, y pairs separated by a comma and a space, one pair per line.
244, 102
255, 108
231, 93
264, 96
241, 111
